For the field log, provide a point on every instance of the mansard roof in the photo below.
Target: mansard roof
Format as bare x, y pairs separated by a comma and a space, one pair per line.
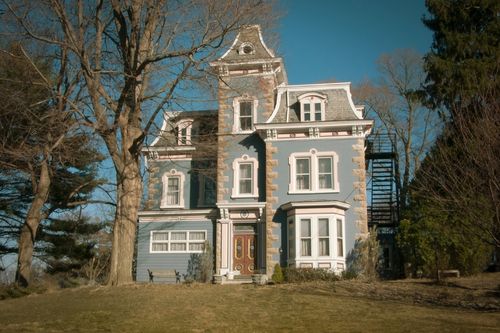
248, 46
339, 105
171, 119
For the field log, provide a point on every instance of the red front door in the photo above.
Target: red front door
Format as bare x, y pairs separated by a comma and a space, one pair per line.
244, 254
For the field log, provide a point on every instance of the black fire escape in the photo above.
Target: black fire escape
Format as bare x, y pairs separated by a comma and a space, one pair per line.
383, 192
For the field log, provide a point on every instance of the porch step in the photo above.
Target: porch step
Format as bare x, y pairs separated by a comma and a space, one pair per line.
240, 280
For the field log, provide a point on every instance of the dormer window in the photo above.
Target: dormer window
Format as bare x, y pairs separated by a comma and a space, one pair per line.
246, 48
312, 107
184, 128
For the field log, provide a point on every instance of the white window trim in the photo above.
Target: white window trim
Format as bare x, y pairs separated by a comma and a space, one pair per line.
187, 241
311, 99
236, 177
332, 236
188, 125
314, 156
170, 174
236, 108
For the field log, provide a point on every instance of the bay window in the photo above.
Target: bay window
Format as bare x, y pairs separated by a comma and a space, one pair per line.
305, 237
323, 237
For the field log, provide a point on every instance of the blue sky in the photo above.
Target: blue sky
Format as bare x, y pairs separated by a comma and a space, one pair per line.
322, 40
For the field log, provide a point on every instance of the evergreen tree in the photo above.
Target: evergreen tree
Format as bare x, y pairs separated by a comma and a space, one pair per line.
464, 60
47, 163
455, 199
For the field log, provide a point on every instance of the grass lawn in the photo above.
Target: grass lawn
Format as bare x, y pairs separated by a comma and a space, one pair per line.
312, 307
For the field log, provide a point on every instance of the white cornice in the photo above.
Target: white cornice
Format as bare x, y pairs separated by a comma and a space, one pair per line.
169, 149
176, 212
229, 205
318, 86
309, 204
246, 62
309, 124
177, 215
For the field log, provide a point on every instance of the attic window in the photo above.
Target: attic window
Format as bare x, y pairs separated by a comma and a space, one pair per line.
312, 107
183, 130
246, 48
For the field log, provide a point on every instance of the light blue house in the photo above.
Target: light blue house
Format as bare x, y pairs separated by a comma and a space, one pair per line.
275, 175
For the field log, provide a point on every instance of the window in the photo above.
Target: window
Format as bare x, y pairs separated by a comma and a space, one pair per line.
312, 107
184, 129
325, 173
317, 237
303, 175
172, 196
323, 237
340, 238
313, 172
305, 237
178, 241
245, 113
245, 177
173, 191
246, 48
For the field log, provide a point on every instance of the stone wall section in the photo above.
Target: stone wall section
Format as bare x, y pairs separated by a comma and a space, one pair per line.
154, 194
223, 138
359, 172
271, 201
267, 85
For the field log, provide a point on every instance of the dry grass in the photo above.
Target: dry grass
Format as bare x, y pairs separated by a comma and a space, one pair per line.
309, 307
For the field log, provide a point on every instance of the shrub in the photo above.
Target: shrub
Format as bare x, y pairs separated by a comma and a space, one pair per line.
294, 275
200, 266
363, 260
278, 274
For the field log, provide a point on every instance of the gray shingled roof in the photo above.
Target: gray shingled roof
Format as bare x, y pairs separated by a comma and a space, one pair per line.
168, 137
337, 106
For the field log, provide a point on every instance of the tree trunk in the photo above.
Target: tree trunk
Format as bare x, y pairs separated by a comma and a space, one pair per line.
28, 231
128, 194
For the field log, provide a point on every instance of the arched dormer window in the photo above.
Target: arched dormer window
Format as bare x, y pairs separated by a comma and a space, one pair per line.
183, 130
312, 107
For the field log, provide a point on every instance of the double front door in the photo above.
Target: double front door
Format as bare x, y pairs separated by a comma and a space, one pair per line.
244, 249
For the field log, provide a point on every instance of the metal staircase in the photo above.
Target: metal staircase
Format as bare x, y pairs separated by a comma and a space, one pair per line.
383, 190
382, 164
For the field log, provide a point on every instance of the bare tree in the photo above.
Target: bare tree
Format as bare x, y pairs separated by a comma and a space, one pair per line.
395, 99
461, 176
135, 57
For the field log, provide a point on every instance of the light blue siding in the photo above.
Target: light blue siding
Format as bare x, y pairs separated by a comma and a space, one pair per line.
177, 261
344, 150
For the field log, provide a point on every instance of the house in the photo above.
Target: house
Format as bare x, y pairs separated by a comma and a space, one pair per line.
275, 175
